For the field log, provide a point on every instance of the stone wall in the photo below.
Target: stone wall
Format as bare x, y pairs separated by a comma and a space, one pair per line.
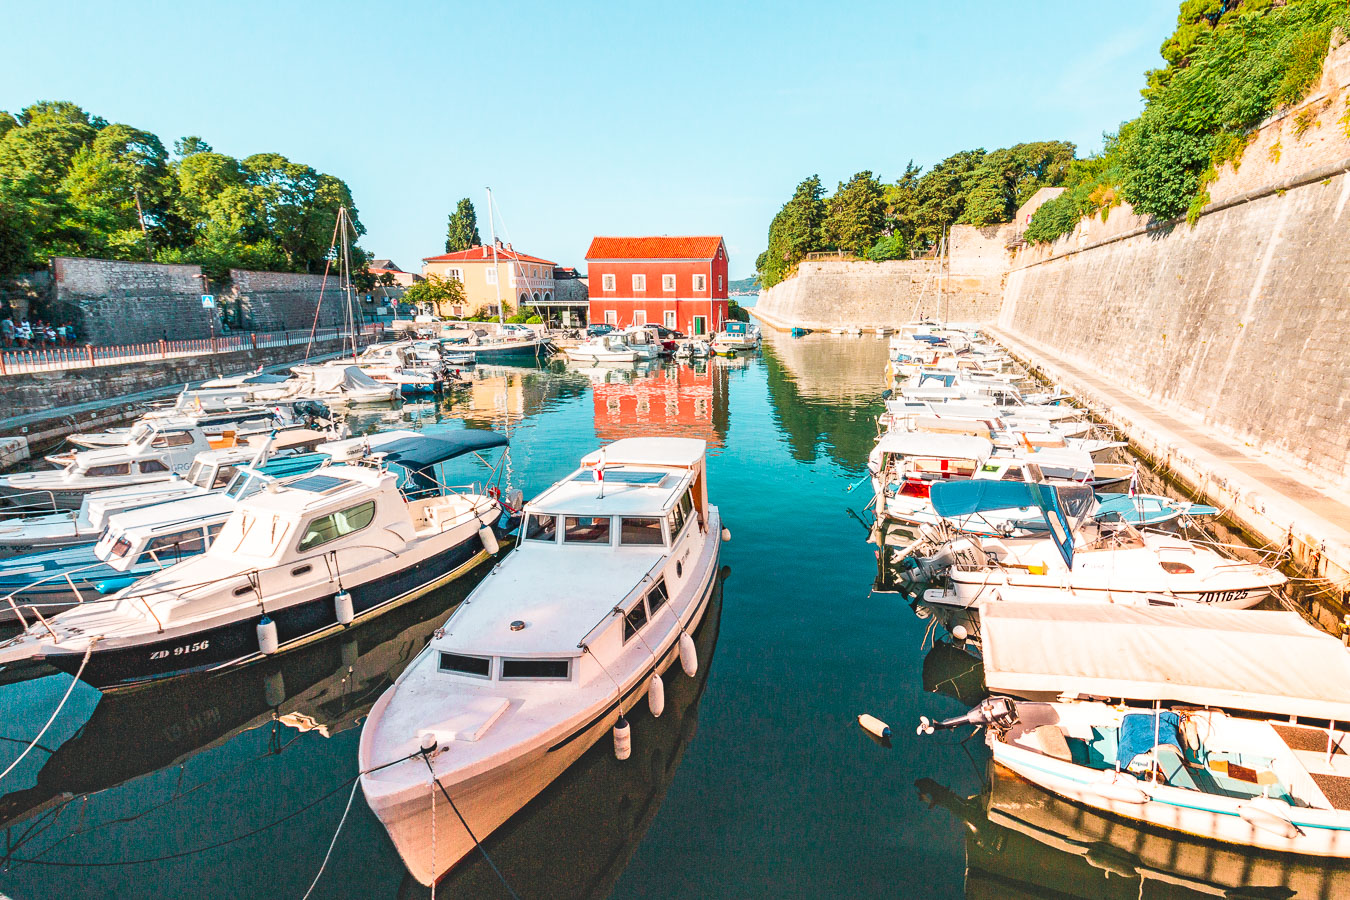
25, 294
114, 302
283, 301
1242, 320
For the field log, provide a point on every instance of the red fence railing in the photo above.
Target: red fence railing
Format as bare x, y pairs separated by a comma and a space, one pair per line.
49, 359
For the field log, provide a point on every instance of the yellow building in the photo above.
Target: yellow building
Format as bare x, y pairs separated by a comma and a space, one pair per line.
523, 280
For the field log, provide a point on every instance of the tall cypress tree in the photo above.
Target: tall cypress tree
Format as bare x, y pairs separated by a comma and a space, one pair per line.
462, 231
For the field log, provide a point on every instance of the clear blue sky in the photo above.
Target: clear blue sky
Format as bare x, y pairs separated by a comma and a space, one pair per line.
688, 118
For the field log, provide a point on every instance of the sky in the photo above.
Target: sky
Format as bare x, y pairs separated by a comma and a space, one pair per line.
620, 119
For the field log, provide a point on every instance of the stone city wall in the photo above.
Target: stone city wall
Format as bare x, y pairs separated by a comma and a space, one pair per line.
283, 301
114, 302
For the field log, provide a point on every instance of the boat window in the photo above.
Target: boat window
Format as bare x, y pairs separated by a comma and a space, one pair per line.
586, 530
687, 504
1014, 473
554, 669
641, 531
223, 476
108, 471
335, 525
676, 519
214, 530
620, 476
541, 528
657, 596
149, 466
195, 473
120, 548
633, 620
480, 666
182, 541
172, 439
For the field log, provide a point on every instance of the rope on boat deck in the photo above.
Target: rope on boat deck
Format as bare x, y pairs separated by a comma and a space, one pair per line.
356, 783
481, 849
74, 681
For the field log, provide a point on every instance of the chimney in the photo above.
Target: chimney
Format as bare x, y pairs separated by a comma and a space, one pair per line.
508, 246
499, 242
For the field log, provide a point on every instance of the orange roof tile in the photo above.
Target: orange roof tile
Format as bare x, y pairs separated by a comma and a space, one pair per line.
484, 253
701, 247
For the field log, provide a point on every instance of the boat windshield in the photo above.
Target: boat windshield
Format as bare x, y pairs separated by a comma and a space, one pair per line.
248, 533
245, 483
199, 474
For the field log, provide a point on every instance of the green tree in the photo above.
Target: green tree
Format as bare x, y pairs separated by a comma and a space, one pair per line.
437, 292
462, 230
794, 232
1006, 178
855, 214
940, 196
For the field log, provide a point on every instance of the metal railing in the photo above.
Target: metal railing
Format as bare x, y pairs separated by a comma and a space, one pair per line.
49, 359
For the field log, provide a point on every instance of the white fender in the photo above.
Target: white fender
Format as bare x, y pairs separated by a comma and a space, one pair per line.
1120, 788
267, 636
623, 739
688, 655
489, 539
873, 725
342, 605
656, 695
1271, 815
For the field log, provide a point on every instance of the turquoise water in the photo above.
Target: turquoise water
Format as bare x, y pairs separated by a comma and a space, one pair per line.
756, 782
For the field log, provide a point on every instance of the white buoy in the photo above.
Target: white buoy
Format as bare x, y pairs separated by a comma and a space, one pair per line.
726, 534
267, 636
959, 632
872, 725
688, 655
656, 695
489, 539
623, 739
342, 603
274, 689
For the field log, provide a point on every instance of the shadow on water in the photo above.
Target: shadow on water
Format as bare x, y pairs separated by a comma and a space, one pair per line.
574, 840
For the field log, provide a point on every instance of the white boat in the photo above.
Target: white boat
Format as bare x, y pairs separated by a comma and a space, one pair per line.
571, 631
221, 426
735, 337
645, 342
1229, 725
344, 384
1083, 560
400, 364
299, 560
606, 348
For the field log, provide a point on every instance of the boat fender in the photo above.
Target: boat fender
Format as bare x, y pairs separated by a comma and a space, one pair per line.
489, 540
726, 534
959, 632
874, 726
1121, 788
656, 695
688, 655
1270, 815
623, 739
274, 689
113, 585
342, 605
267, 636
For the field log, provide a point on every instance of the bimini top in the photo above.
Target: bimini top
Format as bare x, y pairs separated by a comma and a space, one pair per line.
681, 453
1063, 506
422, 450
1256, 660
948, 446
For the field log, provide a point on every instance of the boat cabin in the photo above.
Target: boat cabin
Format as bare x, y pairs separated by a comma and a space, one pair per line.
910, 461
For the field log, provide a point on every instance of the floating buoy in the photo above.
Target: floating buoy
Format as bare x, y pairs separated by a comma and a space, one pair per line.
959, 632
267, 636
623, 739
342, 603
874, 726
656, 695
688, 655
726, 534
274, 689
489, 539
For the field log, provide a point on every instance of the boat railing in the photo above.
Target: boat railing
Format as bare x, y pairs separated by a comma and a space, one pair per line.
19, 510
619, 608
46, 579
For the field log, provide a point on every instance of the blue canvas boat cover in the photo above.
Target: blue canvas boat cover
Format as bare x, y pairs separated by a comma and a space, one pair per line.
421, 451
1141, 732
1063, 506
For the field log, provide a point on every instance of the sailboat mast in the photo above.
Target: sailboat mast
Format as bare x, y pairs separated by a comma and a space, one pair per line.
496, 272
346, 274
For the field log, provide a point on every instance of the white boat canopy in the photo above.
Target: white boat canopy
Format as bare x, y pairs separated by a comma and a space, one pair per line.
674, 452
1255, 660
947, 446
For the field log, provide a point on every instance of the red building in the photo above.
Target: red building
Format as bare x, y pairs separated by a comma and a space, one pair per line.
675, 401
678, 282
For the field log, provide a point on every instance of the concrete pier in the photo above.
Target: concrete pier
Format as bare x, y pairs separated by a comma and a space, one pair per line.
1278, 502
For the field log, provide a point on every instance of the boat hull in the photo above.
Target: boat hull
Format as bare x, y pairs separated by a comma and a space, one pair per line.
489, 799
236, 642
972, 588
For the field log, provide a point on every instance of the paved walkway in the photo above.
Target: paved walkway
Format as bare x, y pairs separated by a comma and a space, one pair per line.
1271, 495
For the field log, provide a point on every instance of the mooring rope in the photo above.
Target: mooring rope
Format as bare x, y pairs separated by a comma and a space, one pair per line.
427, 759
356, 783
74, 681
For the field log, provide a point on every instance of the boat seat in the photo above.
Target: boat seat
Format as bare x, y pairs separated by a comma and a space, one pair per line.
1172, 767
1053, 742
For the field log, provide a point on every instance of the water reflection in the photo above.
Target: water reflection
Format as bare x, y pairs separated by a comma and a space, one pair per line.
670, 400
1023, 841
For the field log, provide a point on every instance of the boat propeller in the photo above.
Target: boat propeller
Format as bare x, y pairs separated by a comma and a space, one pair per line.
1000, 712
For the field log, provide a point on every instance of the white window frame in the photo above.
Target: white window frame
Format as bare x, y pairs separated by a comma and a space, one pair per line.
668, 283
611, 317
700, 282
455, 275
672, 320
719, 282
639, 282
607, 282
639, 317
490, 274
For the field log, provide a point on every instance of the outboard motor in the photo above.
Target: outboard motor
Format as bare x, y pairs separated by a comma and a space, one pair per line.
994, 712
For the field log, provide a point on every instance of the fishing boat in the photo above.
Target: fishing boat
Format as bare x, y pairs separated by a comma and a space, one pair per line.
735, 337
1227, 725
606, 348
1077, 558
303, 558
615, 569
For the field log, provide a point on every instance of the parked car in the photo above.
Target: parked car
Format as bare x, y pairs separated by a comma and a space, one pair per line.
666, 334
598, 329
513, 330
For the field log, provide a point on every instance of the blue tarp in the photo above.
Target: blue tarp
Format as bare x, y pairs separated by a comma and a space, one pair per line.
1141, 732
1062, 505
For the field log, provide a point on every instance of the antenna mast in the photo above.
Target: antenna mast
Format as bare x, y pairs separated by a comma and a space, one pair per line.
496, 272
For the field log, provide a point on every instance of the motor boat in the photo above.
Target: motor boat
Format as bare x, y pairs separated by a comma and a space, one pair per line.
735, 337
645, 342
400, 364
221, 426
607, 348
614, 570
1080, 559
339, 384
304, 557
694, 348
1227, 725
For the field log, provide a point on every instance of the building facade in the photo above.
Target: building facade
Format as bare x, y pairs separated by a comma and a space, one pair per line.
524, 280
678, 282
